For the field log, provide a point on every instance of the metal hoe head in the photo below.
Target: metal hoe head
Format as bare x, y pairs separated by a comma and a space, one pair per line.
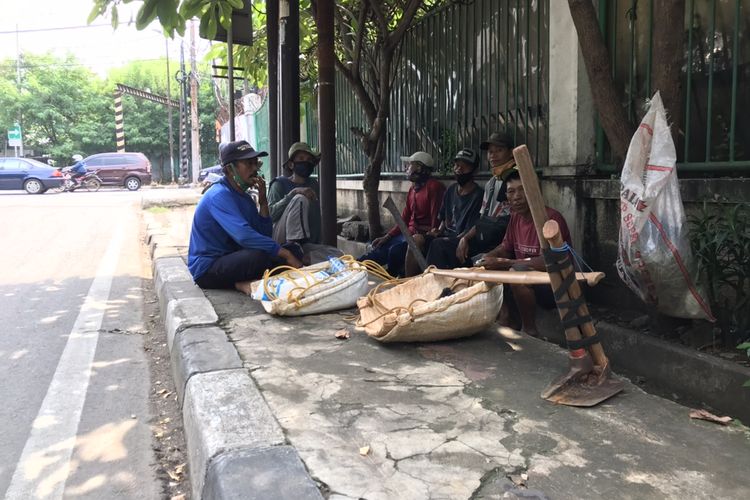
585, 384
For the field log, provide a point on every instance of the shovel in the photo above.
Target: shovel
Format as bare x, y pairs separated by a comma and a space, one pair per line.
588, 380
511, 277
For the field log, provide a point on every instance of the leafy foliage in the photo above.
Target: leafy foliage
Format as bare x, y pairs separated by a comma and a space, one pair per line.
63, 108
720, 240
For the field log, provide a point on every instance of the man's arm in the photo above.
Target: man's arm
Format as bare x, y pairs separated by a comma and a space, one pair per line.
239, 228
278, 200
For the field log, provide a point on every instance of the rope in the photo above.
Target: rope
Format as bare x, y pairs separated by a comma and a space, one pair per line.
310, 280
577, 259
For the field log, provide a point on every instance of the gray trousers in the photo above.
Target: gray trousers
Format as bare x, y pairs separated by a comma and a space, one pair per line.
294, 224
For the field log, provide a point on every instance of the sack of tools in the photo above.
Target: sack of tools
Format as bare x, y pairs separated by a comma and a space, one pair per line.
328, 286
429, 308
654, 258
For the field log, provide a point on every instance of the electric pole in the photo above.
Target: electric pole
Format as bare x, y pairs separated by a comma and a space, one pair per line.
194, 121
169, 116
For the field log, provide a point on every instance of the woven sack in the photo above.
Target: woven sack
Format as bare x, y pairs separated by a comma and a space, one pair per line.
331, 294
414, 311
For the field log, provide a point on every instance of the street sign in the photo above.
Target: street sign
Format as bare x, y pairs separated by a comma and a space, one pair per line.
14, 136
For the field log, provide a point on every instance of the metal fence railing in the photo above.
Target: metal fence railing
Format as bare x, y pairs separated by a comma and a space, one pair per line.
464, 71
715, 134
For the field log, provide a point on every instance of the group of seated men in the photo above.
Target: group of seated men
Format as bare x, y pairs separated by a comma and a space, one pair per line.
234, 239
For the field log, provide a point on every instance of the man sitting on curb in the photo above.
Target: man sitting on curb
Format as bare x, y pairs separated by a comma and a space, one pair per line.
420, 216
520, 251
489, 228
458, 213
293, 200
230, 241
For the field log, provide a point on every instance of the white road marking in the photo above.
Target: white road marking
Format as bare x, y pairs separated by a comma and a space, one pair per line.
43, 467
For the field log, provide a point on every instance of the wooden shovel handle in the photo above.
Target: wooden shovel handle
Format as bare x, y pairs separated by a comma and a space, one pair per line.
512, 277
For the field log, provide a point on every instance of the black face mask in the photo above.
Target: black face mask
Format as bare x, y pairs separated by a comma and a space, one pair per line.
303, 168
462, 179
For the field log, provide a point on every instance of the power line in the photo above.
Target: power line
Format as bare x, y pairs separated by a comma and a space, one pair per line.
38, 30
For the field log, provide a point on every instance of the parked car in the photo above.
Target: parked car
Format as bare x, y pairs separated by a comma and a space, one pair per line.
129, 170
24, 173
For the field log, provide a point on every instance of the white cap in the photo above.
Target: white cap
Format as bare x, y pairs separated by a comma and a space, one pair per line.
421, 157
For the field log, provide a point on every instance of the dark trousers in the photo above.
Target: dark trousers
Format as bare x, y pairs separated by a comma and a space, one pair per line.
391, 254
242, 265
442, 252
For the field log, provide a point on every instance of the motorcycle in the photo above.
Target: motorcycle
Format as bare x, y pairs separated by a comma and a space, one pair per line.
90, 181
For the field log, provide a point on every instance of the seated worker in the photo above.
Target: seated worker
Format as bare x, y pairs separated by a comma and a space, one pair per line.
293, 200
520, 250
420, 215
230, 241
489, 229
458, 213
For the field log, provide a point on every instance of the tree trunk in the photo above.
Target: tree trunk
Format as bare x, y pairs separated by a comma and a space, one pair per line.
371, 185
668, 54
612, 115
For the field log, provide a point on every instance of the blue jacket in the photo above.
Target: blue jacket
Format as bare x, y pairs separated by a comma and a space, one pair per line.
79, 167
226, 221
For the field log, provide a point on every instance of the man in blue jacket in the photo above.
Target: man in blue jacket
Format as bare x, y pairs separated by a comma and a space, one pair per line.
231, 241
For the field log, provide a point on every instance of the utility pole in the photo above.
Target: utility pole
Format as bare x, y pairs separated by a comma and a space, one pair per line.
327, 120
288, 74
182, 78
195, 136
272, 30
169, 115
18, 85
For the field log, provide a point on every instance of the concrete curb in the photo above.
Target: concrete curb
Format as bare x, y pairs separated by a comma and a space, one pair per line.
236, 448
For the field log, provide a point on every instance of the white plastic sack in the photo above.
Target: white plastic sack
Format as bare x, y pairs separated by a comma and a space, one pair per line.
654, 258
315, 289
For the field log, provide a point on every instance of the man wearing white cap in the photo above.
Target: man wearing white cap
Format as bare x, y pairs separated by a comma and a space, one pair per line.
421, 215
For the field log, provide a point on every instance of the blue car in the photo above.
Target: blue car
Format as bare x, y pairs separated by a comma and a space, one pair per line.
24, 173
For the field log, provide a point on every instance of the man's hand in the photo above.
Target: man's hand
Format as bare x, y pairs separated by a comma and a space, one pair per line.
497, 263
289, 257
462, 251
259, 183
434, 232
378, 242
307, 192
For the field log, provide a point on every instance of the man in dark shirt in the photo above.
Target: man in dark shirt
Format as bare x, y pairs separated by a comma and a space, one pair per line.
293, 200
521, 251
458, 213
420, 214
489, 229
230, 241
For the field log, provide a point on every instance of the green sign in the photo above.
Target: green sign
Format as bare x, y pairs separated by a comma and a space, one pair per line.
14, 136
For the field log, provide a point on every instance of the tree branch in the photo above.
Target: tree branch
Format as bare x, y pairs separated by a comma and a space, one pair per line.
394, 38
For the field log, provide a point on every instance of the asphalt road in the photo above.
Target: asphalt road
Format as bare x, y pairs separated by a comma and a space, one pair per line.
74, 407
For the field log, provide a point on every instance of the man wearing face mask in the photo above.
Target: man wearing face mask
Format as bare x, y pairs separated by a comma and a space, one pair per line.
230, 240
459, 211
489, 229
293, 200
420, 215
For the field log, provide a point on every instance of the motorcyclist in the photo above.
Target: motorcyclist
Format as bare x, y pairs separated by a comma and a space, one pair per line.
78, 170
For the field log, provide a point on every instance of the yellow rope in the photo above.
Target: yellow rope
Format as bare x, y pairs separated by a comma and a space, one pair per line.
298, 293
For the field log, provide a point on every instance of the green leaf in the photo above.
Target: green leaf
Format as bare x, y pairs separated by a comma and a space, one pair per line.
744, 345
236, 4
226, 15
146, 14
115, 17
746, 384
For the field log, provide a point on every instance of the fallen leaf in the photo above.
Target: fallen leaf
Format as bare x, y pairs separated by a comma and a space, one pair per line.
364, 451
162, 391
167, 394
705, 415
342, 334
181, 496
173, 476
180, 468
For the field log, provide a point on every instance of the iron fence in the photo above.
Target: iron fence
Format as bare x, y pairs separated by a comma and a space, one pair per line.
464, 71
714, 136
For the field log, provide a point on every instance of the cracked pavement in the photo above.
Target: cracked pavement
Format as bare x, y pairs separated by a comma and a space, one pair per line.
463, 419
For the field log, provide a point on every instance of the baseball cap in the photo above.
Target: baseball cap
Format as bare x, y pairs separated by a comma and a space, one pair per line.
468, 156
421, 157
238, 150
304, 147
498, 139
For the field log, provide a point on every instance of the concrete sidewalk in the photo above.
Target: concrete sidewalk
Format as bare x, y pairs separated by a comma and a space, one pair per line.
459, 419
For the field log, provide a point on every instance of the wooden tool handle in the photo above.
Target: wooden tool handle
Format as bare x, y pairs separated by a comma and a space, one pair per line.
512, 277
